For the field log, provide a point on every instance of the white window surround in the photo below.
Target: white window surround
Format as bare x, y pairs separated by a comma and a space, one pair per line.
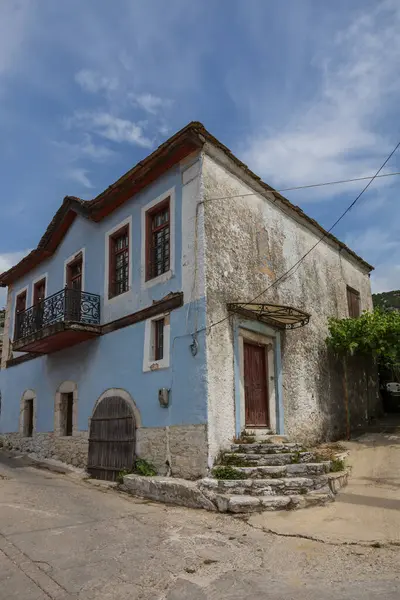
70, 260
168, 274
107, 300
43, 276
149, 364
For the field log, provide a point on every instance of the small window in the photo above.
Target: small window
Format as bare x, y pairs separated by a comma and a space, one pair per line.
158, 240
66, 414
353, 302
20, 304
119, 262
28, 418
158, 339
20, 307
39, 291
74, 273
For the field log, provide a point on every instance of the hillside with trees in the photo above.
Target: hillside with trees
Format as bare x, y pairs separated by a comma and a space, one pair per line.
387, 300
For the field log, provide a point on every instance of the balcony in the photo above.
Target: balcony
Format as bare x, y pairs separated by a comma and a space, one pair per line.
64, 319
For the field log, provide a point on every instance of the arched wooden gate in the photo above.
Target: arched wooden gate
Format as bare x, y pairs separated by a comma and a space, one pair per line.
111, 438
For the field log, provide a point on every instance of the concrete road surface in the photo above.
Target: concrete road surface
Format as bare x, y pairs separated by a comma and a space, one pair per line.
62, 538
368, 509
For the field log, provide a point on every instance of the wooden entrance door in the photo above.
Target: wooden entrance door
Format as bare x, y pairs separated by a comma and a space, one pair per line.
111, 439
255, 386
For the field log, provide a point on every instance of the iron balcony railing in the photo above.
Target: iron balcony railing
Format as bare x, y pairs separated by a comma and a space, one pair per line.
66, 305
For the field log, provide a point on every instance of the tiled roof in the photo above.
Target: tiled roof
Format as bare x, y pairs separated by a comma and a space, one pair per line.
188, 139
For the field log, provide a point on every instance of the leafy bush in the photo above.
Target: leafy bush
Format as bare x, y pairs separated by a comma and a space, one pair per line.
337, 465
228, 460
375, 334
227, 473
121, 475
142, 467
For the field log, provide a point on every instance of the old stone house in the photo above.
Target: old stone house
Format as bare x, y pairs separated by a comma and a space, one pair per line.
140, 325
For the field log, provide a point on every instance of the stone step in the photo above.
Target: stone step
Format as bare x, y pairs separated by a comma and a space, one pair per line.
278, 471
284, 486
291, 470
269, 459
265, 448
250, 504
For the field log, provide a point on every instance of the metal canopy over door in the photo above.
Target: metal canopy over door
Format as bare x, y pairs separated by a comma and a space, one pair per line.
255, 385
111, 439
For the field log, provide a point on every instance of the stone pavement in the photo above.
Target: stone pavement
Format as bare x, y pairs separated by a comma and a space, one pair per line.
62, 538
368, 509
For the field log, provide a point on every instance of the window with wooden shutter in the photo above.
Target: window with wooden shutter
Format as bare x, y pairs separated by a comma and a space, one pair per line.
119, 262
20, 307
158, 337
39, 291
158, 240
353, 302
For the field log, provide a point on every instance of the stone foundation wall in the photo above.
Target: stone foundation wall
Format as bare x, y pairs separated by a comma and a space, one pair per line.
72, 449
183, 446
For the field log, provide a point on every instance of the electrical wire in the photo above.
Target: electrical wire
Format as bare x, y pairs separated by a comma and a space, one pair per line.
286, 274
312, 185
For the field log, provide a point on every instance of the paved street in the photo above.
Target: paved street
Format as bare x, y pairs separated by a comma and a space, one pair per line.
62, 538
368, 509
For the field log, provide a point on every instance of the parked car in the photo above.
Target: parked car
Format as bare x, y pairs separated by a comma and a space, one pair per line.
391, 396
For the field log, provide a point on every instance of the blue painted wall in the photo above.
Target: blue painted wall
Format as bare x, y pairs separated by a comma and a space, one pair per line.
115, 359
91, 236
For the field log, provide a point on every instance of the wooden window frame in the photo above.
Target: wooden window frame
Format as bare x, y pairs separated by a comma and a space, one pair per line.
36, 286
353, 296
28, 422
66, 415
158, 335
69, 265
23, 294
150, 214
112, 261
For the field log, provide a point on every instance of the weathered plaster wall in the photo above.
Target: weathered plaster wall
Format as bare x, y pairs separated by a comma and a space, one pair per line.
250, 241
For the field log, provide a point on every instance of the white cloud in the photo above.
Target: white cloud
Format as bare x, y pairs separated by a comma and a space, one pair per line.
92, 81
111, 127
374, 242
386, 278
335, 136
84, 149
150, 103
8, 260
14, 21
80, 176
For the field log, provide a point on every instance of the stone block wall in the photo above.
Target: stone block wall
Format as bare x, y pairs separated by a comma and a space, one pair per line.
183, 446
71, 450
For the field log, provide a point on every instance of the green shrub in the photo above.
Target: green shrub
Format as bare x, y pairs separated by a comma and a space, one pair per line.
142, 467
337, 465
227, 473
121, 475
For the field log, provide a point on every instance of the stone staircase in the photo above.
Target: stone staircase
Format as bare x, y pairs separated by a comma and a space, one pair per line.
270, 474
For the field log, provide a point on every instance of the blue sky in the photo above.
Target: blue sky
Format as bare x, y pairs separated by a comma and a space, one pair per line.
303, 91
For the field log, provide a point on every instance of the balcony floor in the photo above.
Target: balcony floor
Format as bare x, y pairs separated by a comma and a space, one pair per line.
57, 337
